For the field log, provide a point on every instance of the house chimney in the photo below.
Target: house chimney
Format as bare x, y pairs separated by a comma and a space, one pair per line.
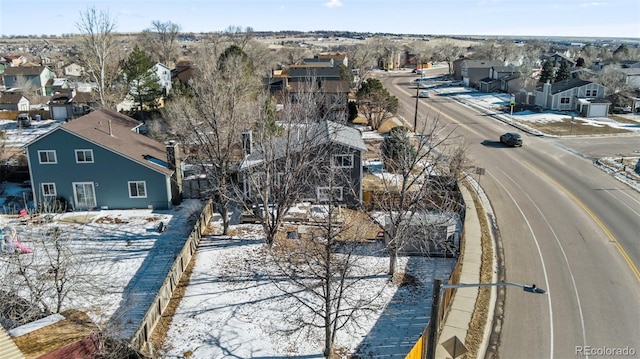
247, 142
173, 161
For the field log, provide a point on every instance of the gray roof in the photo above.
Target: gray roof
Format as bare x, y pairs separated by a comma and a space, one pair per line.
564, 85
113, 130
322, 132
328, 86
482, 64
302, 73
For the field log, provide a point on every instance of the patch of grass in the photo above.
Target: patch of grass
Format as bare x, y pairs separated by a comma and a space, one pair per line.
577, 127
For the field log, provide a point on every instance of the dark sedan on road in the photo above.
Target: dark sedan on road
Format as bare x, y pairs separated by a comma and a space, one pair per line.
512, 139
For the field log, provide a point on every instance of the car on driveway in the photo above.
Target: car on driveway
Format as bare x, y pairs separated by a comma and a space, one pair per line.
424, 94
512, 139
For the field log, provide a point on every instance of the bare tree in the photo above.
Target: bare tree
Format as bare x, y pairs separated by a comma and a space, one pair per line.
219, 106
98, 54
161, 41
449, 52
321, 272
424, 171
286, 156
239, 36
362, 59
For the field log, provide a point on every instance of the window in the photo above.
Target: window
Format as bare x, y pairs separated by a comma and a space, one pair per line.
324, 193
137, 189
592, 93
564, 100
47, 156
49, 189
84, 156
343, 161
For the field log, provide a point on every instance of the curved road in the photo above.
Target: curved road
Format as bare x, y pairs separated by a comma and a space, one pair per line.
564, 224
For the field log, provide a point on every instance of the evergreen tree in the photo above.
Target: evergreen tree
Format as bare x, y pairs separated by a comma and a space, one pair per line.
563, 72
547, 72
375, 102
142, 81
228, 59
397, 151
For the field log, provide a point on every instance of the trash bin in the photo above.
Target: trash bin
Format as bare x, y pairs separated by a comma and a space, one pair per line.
37, 118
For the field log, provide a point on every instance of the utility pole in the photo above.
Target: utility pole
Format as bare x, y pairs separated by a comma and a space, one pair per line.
433, 320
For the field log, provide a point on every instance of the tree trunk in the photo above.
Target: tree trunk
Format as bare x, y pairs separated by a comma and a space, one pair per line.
393, 257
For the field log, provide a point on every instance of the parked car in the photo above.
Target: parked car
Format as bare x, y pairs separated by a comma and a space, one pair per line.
24, 120
424, 94
512, 139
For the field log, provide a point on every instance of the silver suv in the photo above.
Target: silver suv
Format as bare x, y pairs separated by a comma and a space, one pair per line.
24, 120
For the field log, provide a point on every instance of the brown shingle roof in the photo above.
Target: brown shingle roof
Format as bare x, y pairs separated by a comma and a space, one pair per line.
24, 70
10, 98
113, 130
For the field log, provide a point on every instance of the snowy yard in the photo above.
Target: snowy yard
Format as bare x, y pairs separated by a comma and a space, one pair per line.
228, 311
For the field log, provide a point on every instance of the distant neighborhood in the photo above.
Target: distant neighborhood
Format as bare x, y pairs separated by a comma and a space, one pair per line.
258, 123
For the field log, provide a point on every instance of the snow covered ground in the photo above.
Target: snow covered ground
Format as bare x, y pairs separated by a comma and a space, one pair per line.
229, 312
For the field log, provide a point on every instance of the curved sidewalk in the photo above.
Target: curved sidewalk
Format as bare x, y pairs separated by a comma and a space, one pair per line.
456, 322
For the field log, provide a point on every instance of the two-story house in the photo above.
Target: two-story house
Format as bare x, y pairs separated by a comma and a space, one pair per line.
100, 161
24, 77
164, 77
499, 76
585, 97
337, 150
472, 71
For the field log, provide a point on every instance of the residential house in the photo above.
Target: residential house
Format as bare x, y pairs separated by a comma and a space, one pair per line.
631, 76
100, 161
28, 76
494, 82
56, 84
341, 148
585, 97
457, 68
333, 97
557, 59
15, 60
473, 71
73, 69
14, 102
164, 77
338, 58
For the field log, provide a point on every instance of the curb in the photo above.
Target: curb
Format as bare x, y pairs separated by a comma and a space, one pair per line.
457, 321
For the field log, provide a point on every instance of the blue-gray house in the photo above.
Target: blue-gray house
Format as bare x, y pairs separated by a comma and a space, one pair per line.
100, 161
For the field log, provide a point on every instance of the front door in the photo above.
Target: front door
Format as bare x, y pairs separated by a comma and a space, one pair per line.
84, 195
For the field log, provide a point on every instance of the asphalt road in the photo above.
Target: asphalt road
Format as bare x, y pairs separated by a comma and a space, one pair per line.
564, 225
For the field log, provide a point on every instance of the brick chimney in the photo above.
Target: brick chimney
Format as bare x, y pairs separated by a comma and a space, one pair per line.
173, 159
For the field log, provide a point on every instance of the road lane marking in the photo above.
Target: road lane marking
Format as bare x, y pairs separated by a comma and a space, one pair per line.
544, 267
564, 255
597, 220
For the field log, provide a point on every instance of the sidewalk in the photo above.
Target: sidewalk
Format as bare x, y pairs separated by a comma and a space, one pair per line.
456, 322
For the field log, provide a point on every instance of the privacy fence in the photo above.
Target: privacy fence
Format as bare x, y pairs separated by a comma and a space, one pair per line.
141, 337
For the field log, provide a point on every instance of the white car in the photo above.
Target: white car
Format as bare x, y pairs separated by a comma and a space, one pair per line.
424, 94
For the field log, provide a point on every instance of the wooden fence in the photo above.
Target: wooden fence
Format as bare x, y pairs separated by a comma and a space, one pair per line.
141, 337
12, 115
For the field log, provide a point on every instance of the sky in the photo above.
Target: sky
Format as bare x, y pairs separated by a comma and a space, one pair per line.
569, 18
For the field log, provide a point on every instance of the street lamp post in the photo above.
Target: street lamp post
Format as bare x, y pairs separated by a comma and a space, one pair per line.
435, 305
415, 117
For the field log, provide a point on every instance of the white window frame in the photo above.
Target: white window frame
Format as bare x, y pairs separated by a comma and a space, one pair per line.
84, 152
339, 159
322, 196
49, 154
51, 189
137, 184
562, 100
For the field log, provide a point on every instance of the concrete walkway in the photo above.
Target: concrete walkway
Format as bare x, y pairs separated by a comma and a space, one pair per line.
456, 323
